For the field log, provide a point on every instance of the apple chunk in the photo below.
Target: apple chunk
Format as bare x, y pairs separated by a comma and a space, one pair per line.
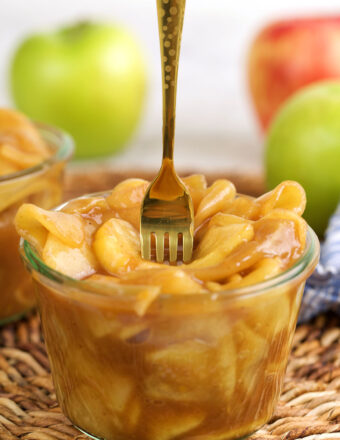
179, 372
74, 262
170, 424
117, 247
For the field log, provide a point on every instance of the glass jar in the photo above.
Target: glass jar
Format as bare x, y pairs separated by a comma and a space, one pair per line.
41, 185
201, 366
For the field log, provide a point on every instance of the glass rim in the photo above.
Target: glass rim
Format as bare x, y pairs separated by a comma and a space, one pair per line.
64, 150
306, 263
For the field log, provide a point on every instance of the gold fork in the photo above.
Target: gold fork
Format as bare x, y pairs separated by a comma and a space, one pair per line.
167, 207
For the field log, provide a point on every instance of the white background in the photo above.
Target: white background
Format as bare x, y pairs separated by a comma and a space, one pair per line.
216, 127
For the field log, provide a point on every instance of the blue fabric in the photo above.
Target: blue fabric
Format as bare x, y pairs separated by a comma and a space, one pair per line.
322, 292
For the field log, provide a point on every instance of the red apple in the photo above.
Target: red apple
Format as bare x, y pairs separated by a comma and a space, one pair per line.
286, 56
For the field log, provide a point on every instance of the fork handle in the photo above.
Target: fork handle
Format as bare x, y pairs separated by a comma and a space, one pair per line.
170, 23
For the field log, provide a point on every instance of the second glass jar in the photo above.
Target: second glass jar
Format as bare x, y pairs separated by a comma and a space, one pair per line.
41, 185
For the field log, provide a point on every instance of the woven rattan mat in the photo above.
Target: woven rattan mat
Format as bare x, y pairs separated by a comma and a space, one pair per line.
309, 407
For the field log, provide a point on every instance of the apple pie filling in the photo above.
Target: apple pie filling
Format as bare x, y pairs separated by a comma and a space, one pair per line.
22, 149
148, 351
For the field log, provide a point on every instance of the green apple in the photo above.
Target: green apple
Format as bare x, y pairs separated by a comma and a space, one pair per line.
89, 79
303, 144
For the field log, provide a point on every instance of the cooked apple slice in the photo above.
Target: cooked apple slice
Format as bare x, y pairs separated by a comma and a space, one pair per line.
243, 206
20, 159
126, 199
174, 372
172, 280
219, 219
87, 206
299, 223
287, 195
215, 199
121, 391
132, 415
252, 350
94, 211
171, 423
261, 271
75, 262
17, 130
220, 241
109, 323
39, 190
281, 233
197, 185
242, 258
100, 405
104, 280
33, 224
226, 365
272, 315
102, 327
141, 297
91, 416
6, 166
223, 219
117, 246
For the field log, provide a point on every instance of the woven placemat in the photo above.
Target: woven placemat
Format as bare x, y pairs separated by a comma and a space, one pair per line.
309, 407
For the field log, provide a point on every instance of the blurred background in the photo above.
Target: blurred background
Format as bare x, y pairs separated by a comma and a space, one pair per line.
216, 125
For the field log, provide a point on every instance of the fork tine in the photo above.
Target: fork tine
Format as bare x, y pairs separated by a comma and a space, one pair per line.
146, 245
173, 243
187, 247
159, 247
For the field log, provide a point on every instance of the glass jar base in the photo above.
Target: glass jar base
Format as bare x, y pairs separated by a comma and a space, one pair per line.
86, 433
102, 438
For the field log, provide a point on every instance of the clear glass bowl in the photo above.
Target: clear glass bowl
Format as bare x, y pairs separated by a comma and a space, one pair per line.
41, 185
199, 366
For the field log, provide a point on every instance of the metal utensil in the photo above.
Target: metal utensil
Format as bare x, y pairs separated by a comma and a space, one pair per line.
167, 209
